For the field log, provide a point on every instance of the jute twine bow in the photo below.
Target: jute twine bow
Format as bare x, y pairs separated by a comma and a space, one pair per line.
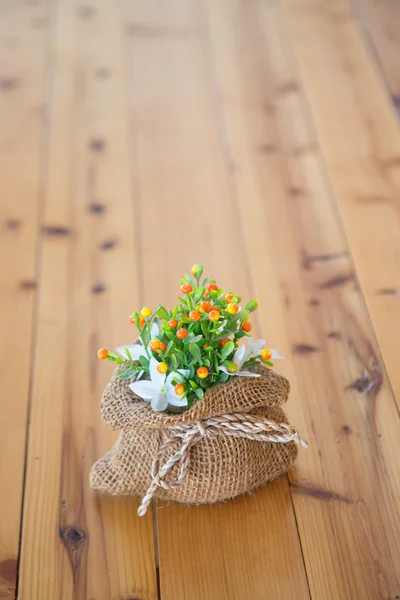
232, 424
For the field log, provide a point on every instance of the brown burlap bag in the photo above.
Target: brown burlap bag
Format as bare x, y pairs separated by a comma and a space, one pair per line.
235, 439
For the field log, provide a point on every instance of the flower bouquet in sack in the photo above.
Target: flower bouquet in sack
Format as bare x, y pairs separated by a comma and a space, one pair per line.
197, 402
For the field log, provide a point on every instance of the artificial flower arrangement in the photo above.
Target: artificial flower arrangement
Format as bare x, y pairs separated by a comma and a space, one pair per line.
191, 381
184, 352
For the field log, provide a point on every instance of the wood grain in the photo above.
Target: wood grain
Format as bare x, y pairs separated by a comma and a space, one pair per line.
379, 21
346, 486
358, 131
76, 544
188, 215
22, 95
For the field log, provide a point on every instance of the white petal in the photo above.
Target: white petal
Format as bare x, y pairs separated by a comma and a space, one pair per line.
255, 346
154, 330
156, 377
247, 374
275, 354
135, 350
174, 399
144, 389
224, 370
159, 402
177, 375
240, 356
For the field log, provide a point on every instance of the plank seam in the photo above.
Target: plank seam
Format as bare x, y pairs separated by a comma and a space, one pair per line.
49, 44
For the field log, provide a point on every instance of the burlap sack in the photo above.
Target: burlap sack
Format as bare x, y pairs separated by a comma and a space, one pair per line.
209, 462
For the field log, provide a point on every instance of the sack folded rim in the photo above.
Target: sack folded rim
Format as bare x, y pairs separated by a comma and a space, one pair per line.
121, 408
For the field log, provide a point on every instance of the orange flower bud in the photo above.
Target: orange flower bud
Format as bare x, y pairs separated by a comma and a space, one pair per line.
186, 288
206, 294
228, 297
206, 306
146, 311
202, 372
179, 389
142, 322
194, 315
162, 368
233, 368
266, 354
247, 327
173, 323
213, 315
181, 333
224, 341
163, 346
212, 286
131, 320
154, 345
232, 309
102, 353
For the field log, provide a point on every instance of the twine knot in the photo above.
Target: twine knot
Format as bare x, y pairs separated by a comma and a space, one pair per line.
187, 435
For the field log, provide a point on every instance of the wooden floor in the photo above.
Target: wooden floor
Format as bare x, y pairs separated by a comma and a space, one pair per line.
262, 138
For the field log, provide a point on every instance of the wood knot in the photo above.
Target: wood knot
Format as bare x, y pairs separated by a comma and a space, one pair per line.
97, 145
56, 230
13, 224
305, 348
98, 288
97, 207
8, 570
72, 536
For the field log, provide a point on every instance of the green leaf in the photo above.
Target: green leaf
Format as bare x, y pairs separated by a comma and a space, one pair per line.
193, 384
144, 361
223, 377
195, 352
185, 320
199, 393
204, 384
205, 280
128, 354
174, 361
191, 374
189, 280
240, 334
127, 373
169, 335
242, 313
209, 349
198, 293
162, 313
196, 339
169, 349
227, 350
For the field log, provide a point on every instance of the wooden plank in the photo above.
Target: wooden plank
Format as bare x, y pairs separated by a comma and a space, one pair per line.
188, 215
76, 544
359, 136
380, 23
346, 486
23, 35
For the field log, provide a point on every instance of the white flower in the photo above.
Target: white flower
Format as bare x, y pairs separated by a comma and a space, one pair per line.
239, 358
159, 391
138, 350
275, 354
255, 346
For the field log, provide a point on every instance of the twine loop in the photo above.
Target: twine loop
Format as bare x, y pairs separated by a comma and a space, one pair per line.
187, 435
